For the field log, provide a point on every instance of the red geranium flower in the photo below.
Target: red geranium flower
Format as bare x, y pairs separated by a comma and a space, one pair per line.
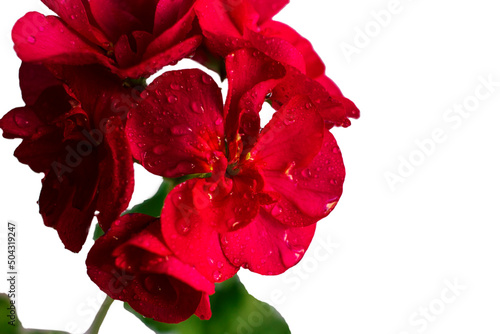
132, 263
133, 38
230, 25
264, 194
75, 136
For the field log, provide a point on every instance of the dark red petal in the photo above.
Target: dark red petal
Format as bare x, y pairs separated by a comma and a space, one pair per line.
155, 63
172, 12
118, 17
20, 123
116, 171
150, 289
177, 126
77, 17
310, 193
291, 139
192, 237
267, 9
33, 80
43, 153
125, 54
266, 246
68, 204
46, 38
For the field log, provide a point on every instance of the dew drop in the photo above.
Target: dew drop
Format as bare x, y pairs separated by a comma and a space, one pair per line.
197, 108
206, 79
31, 39
172, 99
180, 130
21, 121
160, 149
277, 210
217, 275
306, 172
289, 121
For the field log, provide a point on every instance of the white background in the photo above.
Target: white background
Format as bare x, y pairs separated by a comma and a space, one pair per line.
385, 256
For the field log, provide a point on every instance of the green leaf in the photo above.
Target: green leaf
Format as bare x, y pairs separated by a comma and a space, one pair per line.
153, 205
10, 323
234, 311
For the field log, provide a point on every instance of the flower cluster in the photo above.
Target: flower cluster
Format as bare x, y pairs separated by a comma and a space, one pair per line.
254, 194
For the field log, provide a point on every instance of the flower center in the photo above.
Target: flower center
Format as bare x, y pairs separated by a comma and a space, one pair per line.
233, 169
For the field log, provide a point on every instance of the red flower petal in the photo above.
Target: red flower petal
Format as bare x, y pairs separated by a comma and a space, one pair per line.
250, 75
291, 139
178, 124
142, 278
46, 38
119, 17
116, 175
204, 312
172, 12
266, 246
34, 79
332, 108
20, 123
153, 64
267, 9
313, 63
68, 205
310, 193
191, 235
77, 17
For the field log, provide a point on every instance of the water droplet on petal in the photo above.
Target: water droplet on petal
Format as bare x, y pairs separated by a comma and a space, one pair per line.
31, 39
306, 172
277, 210
160, 149
206, 79
180, 130
21, 121
289, 120
217, 275
172, 99
197, 108
218, 121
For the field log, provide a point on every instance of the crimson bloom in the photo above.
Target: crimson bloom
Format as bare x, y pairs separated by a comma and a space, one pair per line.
75, 137
230, 25
132, 263
133, 38
264, 189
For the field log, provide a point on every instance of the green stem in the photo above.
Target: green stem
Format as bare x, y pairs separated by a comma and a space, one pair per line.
99, 318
